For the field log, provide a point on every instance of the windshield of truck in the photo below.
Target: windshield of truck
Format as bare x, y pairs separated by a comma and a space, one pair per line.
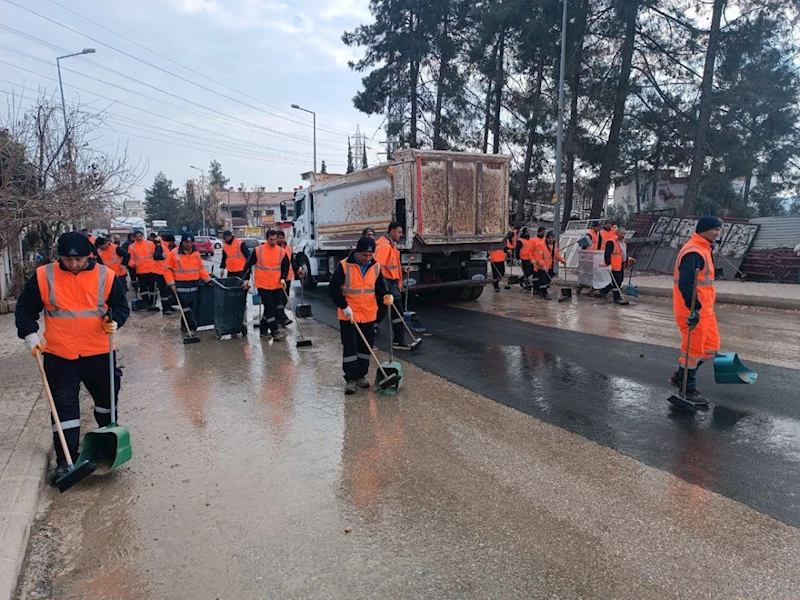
299, 207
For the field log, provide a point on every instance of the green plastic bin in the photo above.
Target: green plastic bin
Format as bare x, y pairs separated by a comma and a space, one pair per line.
230, 303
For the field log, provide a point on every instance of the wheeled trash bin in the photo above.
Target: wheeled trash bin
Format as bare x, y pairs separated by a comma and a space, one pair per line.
230, 304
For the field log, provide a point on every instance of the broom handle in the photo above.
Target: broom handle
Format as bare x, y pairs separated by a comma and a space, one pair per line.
185, 321
616, 285
291, 307
727, 260
369, 347
689, 336
408, 329
111, 378
53, 410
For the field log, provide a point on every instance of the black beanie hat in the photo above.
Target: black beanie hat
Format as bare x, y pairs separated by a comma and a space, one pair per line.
189, 237
707, 223
74, 244
365, 244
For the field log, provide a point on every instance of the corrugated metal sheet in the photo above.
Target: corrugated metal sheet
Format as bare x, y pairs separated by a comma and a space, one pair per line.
776, 232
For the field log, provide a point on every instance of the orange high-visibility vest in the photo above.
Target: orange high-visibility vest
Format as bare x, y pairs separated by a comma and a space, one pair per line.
74, 307
161, 265
497, 256
234, 259
268, 266
551, 255
607, 236
616, 255
359, 291
288, 250
537, 253
526, 251
706, 293
512, 243
595, 238
112, 260
184, 270
142, 257
388, 257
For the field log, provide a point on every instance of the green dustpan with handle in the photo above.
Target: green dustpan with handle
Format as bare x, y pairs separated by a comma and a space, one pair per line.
389, 368
109, 446
729, 369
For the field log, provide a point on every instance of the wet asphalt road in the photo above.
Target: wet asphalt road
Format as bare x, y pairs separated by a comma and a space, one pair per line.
613, 392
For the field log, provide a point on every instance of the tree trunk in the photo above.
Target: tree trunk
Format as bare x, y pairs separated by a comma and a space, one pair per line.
630, 9
444, 50
704, 116
638, 187
748, 181
498, 91
532, 122
569, 171
412, 141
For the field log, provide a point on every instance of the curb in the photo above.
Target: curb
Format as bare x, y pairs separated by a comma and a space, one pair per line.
726, 298
21, 484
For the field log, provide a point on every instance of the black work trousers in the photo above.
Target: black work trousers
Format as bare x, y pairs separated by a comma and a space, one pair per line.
527, 272
398, 331
498, 272
147, 287
355, 355
543, 280
188, 300
619, 277
280, 311
167, 298
272, 301
65, 378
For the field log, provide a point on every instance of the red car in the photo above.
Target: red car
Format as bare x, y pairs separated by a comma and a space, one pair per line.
204, 245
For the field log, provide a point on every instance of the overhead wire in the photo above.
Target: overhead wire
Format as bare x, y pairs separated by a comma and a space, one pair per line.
133, 57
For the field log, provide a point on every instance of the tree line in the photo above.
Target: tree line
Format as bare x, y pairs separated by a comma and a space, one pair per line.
708, 88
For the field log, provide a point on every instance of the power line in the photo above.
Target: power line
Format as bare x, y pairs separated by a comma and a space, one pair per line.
248, 126
123, 75
303, 123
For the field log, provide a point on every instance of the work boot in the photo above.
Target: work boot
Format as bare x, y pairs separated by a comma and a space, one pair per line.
277, 336
264, 330
285, 322
696, 397
61, 469
350, 388
192, 324
401, 346
362, 383
545, 295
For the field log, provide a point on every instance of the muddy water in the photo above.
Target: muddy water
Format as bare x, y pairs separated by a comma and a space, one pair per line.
254, 477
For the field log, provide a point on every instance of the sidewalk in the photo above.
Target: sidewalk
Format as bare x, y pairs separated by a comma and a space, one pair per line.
24, 446
748, 293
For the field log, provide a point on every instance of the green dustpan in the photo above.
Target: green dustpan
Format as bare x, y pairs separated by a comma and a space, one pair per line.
391, 367
109, 446
729, 369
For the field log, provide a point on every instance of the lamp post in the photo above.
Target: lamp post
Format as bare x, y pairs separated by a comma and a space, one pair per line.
560, 128
61, 85
202, 197
295, 106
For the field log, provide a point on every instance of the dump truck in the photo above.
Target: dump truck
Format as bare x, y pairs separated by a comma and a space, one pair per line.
453, 207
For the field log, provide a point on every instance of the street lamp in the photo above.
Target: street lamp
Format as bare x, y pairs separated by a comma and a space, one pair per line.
202, 198
61, 85
295, 106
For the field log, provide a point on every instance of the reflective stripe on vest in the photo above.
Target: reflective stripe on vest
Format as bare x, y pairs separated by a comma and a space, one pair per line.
234, 259
390, 268
359, 291
60, 313
268, 274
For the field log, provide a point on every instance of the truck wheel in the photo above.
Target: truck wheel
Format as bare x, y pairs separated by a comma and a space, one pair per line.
308, 281
476, 292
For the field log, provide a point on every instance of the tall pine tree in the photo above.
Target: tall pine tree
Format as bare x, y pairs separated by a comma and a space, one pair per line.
161, 200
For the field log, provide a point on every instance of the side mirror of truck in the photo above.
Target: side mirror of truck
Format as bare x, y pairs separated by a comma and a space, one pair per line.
283, 210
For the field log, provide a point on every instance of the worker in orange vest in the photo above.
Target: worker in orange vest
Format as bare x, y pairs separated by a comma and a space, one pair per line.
525, 254
115, 258
357, 287
616, 258
539, 279
142, 252
184, 272
76, 294
497, 258
163, 248
283, 320
387, 255
270, 264
592, 240
234, 255
549, 257
607, 234
695, 257
511, 241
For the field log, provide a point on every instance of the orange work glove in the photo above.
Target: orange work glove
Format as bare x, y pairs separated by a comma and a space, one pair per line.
388, 299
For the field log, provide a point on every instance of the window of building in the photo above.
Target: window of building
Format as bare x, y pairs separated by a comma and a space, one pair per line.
256, 214
237, 214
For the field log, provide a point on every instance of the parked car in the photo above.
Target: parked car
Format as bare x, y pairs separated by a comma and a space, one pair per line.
204, 245
252, 242
216, 241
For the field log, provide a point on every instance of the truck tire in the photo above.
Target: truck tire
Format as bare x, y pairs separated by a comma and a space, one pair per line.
476, 292
308, 282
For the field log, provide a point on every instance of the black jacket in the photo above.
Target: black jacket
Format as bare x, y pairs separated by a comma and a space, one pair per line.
686, 269
337, 281
29, 304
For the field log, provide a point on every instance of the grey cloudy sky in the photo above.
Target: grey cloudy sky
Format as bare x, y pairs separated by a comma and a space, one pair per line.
277, 53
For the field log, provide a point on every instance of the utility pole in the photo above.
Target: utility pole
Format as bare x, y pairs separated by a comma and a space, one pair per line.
560, 128
61, 85
202, 196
